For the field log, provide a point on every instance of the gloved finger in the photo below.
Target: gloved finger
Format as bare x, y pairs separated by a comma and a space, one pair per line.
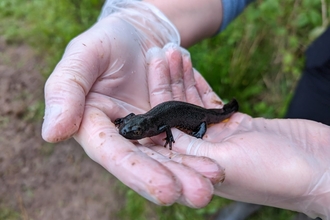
84, 60
197, 191
159, 81
102, 142
184, 144
215, 133
203, 165
174, 60
191, 92
209, 97
182, 153
173, 78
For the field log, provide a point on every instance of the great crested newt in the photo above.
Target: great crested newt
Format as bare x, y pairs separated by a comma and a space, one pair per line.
191, 119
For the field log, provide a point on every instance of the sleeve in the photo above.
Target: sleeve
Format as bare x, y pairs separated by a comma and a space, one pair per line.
231, 9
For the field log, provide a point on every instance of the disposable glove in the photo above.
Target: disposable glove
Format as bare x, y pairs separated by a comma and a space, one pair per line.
282, 163
103, 76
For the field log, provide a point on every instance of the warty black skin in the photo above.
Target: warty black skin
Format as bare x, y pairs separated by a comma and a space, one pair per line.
191, 119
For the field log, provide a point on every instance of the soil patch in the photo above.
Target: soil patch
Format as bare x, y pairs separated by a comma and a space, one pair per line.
40, 180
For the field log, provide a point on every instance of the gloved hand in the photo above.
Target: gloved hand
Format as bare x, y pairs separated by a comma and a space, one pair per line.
283, 163
102, 76
107, 59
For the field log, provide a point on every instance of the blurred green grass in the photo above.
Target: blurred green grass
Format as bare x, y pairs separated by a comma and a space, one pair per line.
257, 59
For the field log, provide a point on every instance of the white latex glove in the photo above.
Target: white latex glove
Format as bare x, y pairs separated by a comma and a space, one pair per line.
102, 76
283, 163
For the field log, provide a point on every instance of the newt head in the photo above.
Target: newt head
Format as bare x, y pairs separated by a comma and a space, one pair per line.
134, 128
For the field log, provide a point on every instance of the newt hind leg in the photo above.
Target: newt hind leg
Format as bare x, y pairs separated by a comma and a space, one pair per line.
200, 130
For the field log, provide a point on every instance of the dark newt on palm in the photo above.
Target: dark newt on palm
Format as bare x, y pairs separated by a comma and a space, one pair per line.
191, 119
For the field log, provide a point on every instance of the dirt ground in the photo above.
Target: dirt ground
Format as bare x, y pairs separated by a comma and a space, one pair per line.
40, 180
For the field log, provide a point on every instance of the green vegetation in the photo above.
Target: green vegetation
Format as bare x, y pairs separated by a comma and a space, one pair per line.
47, 25
257, 59
9, 214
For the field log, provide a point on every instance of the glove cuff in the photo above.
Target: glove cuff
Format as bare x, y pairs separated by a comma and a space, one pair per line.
143, 16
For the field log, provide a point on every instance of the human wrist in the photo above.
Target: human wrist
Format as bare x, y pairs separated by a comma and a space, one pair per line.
194, 19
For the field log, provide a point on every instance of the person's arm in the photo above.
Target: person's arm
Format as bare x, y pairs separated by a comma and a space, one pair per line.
194, 19
197, 20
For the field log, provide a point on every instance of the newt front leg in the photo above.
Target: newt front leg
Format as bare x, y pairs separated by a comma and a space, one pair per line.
169, 136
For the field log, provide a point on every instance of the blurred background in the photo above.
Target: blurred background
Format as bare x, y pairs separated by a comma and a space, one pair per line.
258, 60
